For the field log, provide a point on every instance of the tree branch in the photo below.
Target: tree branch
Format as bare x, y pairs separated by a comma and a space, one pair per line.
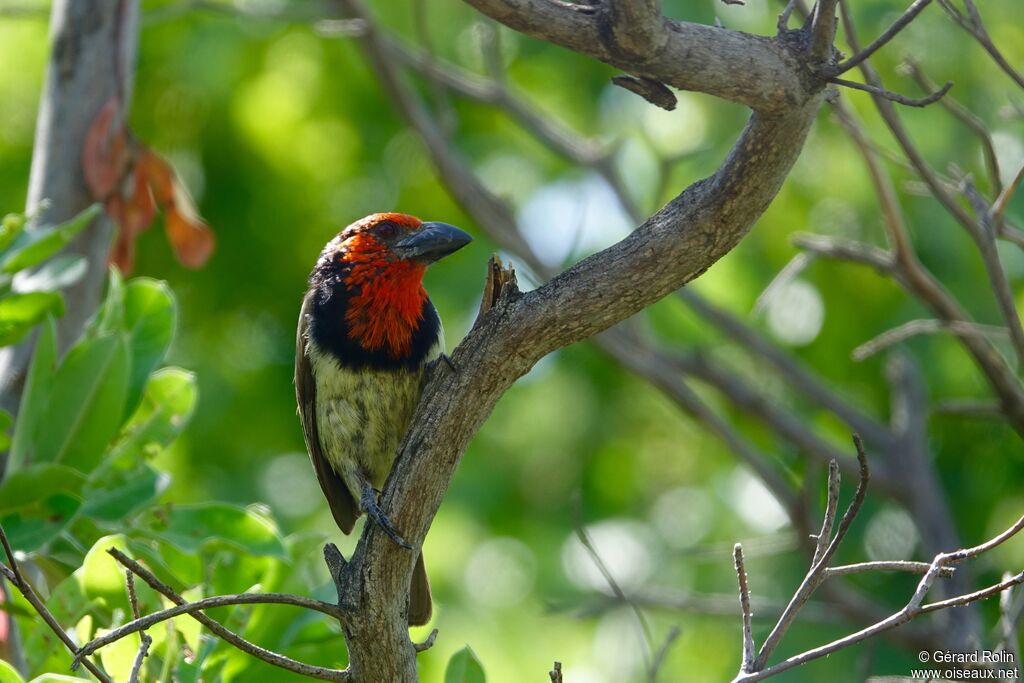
225, 634
753, 70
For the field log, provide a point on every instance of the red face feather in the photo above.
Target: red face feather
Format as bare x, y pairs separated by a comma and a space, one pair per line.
388, 302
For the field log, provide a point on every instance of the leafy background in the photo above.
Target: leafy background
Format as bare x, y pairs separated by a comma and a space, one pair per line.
284, 138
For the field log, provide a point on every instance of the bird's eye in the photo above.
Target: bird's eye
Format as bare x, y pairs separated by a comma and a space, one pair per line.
386, 230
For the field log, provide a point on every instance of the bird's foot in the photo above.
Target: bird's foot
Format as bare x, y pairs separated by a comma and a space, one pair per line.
373, 511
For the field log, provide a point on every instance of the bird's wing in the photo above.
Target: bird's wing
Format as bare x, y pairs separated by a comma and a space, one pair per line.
343, 507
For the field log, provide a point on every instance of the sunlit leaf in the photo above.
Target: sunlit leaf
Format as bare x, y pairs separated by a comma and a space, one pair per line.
8, 674
103, 578
19, 313
119, 657
34, 245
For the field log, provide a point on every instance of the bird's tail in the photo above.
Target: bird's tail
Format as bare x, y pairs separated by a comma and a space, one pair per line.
421, 605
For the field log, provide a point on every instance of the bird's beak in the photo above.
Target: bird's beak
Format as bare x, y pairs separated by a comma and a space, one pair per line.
431, 242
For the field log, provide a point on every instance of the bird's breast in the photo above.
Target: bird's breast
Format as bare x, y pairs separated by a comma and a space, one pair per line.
362, 414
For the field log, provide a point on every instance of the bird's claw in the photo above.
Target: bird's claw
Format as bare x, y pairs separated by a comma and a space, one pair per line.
373, 512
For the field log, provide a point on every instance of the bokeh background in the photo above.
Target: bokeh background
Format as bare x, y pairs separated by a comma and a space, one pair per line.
283, 137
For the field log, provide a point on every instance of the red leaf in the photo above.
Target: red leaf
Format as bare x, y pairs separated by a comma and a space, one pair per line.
190, 236
105, 154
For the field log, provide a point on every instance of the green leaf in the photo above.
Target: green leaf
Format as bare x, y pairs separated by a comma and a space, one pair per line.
119, 494
58, 678
103, 578
166, 408
6, 422
464, 667
19, 313
150, 316
119, 657
22, 489
192, 528
8, 674
11, 225
59, 272
86, 404
35, 398
32, 527
110, 315
35, 245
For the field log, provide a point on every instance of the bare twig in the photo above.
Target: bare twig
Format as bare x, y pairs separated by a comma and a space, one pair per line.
885, 566
824, 536
142, 623
999, 205
225, 634
897, 26
14, 575
584, 539
895, 97
659, 656
747, 662
145, 640
556, 673
426, 644
823, 29
815, 575
788, 368
976, 28
915, 328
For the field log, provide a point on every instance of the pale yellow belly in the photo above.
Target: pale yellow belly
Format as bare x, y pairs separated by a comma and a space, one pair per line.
362, 417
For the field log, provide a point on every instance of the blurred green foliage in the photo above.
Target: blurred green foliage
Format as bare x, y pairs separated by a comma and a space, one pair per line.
284, 138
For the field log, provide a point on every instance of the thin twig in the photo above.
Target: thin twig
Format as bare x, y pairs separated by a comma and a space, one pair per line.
749, 648
426, 644
915, 328
815, 575
999, 205
13, 574
225, 634
142, 623
556, 673
885, 566
890, 33
584, 538
895, 97
976, 28
824, 536
659, 656
145, 640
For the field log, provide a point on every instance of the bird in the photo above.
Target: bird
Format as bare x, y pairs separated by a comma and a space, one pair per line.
367, 332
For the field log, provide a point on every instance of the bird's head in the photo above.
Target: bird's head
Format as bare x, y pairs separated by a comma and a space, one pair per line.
382, 258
